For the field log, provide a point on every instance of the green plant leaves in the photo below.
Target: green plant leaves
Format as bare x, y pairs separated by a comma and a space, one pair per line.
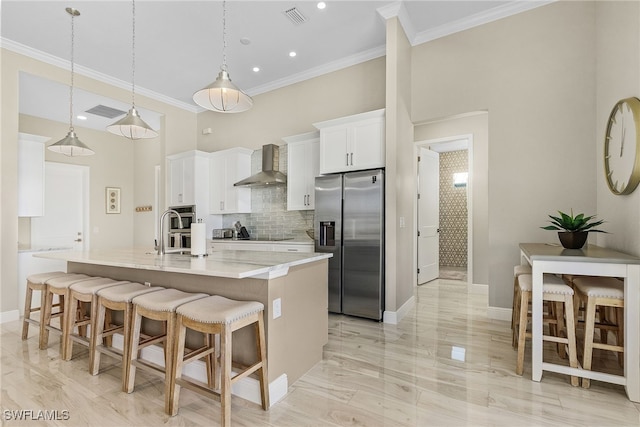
572, 223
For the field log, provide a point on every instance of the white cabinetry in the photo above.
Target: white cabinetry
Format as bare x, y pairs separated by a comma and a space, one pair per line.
188, 180
352, 143
303, 160
31, 175
226, 168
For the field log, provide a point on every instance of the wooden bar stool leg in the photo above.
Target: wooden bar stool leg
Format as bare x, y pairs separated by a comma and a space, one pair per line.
27, 311
522, 330
45, 320
96, 338
571, 336
620, 334
225, 366
262, 353
560, 326
179, 352
589, 320
169, 368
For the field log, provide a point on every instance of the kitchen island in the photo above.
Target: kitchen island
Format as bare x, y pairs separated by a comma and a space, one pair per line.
292, 287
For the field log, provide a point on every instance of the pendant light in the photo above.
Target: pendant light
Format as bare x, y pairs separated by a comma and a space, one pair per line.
70, 145
132, 126
222, 95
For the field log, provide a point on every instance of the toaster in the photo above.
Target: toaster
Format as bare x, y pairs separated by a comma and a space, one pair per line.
222, 233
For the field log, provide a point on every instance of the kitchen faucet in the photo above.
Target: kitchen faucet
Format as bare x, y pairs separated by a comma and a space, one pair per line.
161, 248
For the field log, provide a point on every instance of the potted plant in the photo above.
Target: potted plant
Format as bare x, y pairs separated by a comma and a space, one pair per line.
576, 228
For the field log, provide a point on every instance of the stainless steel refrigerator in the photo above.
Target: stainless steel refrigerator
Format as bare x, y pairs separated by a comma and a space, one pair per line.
349, 223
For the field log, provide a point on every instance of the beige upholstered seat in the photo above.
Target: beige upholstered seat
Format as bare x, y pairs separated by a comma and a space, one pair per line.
85, 291
38, 282
221, 316
160, 306
603, 293
59, 285
115, 298
555, 291
517, 271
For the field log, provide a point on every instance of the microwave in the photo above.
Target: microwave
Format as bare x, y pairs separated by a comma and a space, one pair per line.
188, 215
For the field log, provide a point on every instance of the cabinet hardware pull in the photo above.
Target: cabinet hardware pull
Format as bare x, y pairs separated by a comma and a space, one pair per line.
351, 159
347, 159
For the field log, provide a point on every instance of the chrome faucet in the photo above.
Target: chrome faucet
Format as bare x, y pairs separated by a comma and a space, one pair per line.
161, 248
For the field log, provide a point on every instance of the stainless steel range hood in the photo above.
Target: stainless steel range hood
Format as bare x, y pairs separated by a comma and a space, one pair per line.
270, 175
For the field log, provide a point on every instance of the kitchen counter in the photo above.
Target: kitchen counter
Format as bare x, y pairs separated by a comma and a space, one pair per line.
292, 286
230, 264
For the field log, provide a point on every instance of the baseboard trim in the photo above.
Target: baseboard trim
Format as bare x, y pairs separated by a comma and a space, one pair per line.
9, 316
499, 313
247, 388
393, 317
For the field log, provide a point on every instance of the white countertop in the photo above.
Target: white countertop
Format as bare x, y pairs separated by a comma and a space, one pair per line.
230, 264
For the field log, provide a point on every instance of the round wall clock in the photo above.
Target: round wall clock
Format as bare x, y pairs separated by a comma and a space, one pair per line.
622, 147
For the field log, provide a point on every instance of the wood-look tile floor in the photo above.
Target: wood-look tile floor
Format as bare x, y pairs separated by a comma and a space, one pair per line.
445, 364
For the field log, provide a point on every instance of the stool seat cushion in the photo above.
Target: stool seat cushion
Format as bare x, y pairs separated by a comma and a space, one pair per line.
166, 300
521, 269
62, 282
41, 278
126, 291
600, 287
551, 284
217, 309
91, 287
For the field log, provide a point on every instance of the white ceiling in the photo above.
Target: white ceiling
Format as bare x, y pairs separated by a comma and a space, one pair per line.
179, 43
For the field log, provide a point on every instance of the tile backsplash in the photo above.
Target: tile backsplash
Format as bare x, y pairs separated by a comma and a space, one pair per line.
270, 217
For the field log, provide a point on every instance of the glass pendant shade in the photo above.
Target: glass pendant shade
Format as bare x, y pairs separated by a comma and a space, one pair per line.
71, 146
223, 96
132, 126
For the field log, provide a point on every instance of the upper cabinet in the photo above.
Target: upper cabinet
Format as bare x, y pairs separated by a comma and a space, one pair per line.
303, 160
226, 168
188, 180
352, 143
31, 175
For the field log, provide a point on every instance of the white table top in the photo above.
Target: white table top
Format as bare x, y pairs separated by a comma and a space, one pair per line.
589, 253
230, 264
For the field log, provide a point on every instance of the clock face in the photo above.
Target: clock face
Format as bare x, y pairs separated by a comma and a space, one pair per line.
622, 167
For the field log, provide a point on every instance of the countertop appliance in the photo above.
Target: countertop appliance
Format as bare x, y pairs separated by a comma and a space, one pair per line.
349, 223
222, 233
181, 237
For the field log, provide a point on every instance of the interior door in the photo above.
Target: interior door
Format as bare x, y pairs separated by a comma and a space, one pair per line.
65, 203
428, 216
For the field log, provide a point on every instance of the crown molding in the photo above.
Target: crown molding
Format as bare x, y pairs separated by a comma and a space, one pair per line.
329, 67
88, 72
398, 10
509, 9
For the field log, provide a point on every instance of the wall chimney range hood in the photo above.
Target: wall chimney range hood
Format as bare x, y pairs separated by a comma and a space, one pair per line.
270, 175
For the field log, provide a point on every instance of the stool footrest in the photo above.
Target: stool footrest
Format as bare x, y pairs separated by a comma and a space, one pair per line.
198, 353
246, 371
199, 388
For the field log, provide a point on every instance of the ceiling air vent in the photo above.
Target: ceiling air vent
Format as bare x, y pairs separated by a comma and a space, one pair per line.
104, 111
295, 16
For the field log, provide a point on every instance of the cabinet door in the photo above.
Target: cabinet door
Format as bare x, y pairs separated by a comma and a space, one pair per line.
367, 145
334, 144
30, 178
218, 182
297, 180
314, 157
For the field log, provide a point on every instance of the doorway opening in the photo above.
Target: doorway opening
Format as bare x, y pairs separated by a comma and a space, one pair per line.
453, 207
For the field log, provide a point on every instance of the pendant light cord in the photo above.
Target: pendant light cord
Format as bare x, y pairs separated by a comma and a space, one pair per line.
72, 73
133, 57
224, 36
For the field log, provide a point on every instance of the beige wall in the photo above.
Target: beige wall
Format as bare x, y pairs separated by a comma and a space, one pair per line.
618, 77
292, 110
400, 186
477, 126
178, 132
535, 74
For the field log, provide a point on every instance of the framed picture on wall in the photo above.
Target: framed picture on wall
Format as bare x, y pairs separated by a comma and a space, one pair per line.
112, 200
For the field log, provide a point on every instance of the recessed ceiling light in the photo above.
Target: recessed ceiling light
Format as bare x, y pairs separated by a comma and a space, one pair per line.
245, 41
321, 5
256, 69
81, 117
292, 54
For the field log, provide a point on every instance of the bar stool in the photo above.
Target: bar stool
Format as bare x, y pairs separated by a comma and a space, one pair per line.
160, 306
217, 315
37, 282
554, 290
601, 292
115, 298
59, 286
517, 271
83, 292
